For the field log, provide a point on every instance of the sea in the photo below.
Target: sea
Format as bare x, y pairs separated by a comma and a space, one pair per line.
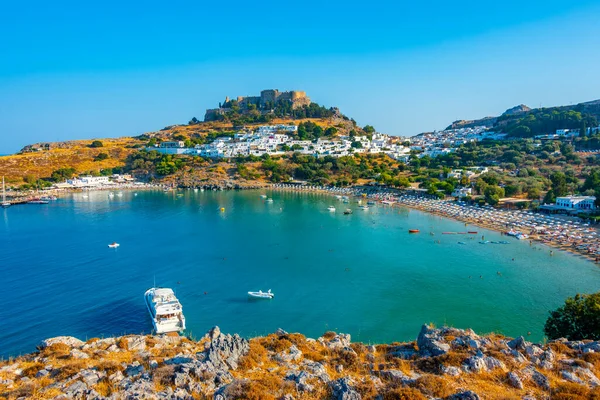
362, 273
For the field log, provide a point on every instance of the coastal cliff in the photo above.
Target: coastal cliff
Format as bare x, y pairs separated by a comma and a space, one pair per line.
445, 363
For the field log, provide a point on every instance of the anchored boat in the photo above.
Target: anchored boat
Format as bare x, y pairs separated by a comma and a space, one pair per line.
165, 310
261, 295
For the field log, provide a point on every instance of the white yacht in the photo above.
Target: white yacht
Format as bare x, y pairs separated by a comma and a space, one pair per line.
331, 208
165, 310
5, 203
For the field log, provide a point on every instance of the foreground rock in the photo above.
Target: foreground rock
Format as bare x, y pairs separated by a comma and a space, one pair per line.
442, 363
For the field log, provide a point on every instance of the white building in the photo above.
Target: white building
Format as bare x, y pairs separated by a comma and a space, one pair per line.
583, 203
89, 181
462, 192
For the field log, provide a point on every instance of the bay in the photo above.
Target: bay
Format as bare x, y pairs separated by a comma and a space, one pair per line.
362, 274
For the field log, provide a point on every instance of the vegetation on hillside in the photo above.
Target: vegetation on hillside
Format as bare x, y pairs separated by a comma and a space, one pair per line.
252, 113
577, 319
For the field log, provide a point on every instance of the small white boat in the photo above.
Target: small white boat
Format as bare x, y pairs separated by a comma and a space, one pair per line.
263, 196
261, 295
120, 194
111, 195
331, 208
165, 310
269, 200
85, 196
38, 201
114, 245
364, 207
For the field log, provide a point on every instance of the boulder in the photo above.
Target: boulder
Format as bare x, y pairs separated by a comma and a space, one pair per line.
571, 377
67, 340
78, 354
225, 351
342, 390
318, 370
136, 343
515, 380
397, 376
541, 380
466, 395
134, 369
431, 343
518, 343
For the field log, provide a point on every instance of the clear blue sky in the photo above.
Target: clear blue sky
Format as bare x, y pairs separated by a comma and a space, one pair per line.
99, 69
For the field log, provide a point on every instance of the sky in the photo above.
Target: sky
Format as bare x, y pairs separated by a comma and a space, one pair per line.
79, 70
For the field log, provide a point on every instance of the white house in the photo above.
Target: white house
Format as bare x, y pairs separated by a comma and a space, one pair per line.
461, 192
576, 202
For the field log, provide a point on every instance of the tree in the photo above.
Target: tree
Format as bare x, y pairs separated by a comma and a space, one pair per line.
368, 129
493, 194
577, 319
533, 193
101, 156
356, 145
549, 198
97, 143
559, 184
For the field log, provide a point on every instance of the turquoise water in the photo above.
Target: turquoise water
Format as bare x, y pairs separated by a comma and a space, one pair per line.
362, 274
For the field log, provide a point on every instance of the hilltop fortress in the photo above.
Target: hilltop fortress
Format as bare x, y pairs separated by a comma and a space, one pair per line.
265, 102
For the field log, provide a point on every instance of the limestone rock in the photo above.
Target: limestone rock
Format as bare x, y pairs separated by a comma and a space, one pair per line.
515, 380
466, 395
136, 343
431, 343
518, 343
67, 340
342, 390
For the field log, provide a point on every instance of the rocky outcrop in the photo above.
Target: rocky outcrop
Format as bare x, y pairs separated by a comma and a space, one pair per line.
442, 363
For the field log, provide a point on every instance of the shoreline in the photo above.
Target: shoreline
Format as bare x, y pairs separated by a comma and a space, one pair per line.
356, 192
498, 227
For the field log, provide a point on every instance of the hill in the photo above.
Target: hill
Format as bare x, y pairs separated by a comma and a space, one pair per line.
522, 121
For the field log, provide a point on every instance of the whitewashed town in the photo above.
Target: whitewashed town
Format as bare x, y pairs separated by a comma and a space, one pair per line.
279, 139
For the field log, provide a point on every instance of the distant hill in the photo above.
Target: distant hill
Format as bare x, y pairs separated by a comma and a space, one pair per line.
522, 121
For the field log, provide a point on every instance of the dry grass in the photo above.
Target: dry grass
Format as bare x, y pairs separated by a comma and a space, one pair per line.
403, 393
257, 356
76, 154
434, 386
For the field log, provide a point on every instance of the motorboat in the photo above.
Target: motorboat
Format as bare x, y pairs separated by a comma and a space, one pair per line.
413, 231
269, 200
38, 201
261, 295
348, 211
114, 245
364, 207
120, 194
263, 196
331, 208
165, 310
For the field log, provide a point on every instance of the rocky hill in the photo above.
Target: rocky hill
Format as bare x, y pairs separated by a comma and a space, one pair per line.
512, 115
444, 363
